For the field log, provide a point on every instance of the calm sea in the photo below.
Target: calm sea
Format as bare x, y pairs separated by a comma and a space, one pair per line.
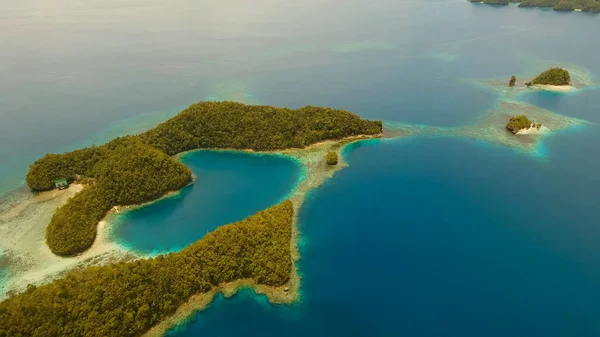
418, 237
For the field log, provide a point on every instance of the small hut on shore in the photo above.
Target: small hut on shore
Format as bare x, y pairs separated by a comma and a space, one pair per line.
61, 183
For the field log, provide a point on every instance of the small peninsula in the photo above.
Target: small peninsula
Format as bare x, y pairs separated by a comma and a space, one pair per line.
136, 169
522, 125
127, 299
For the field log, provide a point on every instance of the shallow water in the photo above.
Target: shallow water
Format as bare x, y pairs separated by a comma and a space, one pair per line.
580, 105
419, 237
229, 187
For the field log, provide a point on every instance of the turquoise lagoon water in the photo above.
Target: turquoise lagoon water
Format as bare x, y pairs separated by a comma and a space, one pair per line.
251, 182
418, 237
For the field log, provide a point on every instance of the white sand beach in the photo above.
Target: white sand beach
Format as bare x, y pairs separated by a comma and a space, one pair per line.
533, 131
556, 88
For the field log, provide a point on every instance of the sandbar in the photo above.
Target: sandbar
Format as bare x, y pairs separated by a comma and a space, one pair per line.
555, 88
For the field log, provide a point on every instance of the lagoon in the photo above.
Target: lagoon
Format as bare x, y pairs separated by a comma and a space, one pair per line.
229, 187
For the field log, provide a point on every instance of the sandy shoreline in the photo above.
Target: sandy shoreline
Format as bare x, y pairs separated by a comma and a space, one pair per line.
554, 88
17, 209
199, 302
27, 257
533, 131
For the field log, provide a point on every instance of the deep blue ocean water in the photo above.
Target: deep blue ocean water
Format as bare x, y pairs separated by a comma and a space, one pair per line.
418, 237
441, 237
229, 187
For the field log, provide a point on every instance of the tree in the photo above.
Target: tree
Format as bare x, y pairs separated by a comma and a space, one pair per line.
518, 123
331, 158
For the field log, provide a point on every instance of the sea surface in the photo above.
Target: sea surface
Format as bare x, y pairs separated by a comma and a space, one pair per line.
417, 237
441, 237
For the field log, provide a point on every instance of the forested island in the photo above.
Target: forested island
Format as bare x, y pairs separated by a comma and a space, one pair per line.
127, 299
558, 5
520, 123
552, 76
136, 169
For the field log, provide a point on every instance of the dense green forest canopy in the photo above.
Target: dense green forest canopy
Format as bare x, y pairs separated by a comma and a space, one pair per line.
44, 171
559, 5
553, 76
518, 123
132, 172
128, 172
136, 169
257, 127
127, 299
